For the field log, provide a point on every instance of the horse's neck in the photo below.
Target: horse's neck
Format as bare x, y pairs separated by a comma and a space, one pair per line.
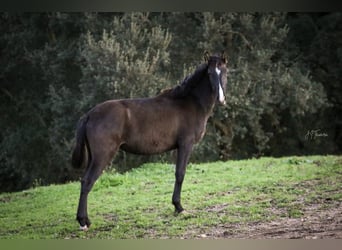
208, 107
205, 99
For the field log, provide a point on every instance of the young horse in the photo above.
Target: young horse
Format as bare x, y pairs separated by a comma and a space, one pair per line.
175, 119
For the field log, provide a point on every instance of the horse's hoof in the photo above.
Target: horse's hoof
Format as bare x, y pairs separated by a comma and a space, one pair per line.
176, 213
84, 228
185, 213
182, 212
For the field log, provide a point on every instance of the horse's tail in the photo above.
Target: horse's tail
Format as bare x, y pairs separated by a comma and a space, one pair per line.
81, 147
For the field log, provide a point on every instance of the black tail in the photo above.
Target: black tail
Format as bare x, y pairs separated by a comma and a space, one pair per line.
78, 155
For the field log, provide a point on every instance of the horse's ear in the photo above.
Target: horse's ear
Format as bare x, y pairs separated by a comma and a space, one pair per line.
224, 57
206, 56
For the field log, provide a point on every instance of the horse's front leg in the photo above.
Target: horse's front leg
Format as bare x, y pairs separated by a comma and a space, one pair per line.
183, 155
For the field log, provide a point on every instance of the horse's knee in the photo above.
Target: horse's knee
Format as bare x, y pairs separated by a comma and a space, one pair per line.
180, 175
86, 185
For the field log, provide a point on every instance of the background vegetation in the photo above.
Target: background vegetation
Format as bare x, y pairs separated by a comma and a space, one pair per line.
284, 80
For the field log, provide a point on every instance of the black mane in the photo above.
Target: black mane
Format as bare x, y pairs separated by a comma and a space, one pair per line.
189, 82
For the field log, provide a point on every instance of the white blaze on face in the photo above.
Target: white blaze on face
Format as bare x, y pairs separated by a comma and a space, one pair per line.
221, 94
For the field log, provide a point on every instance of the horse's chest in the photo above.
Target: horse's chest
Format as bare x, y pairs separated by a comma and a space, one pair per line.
200, 132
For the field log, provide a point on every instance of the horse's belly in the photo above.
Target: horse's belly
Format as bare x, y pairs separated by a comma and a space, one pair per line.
147, 147
149, 142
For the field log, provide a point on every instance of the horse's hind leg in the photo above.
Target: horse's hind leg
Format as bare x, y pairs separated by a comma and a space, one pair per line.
100, 159
92, 173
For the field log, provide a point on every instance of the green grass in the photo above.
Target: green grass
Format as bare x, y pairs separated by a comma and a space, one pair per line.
138, 204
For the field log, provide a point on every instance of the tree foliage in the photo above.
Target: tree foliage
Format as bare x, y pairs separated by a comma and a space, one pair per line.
284, 79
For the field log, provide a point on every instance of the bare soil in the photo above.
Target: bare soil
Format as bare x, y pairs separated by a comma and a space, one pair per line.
319, 221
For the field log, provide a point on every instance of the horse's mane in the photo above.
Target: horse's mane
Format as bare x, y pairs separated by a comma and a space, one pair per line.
188, 83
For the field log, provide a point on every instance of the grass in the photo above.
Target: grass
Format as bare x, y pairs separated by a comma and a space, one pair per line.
137, 204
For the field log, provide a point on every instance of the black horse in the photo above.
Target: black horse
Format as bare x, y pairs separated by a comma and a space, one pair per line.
174, 119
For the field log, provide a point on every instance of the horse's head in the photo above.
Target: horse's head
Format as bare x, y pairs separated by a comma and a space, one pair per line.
218, 75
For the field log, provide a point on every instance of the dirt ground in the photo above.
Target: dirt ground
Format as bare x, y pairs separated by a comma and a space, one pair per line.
319, 221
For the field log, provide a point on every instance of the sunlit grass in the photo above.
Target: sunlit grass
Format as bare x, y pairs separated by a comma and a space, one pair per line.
137, 204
